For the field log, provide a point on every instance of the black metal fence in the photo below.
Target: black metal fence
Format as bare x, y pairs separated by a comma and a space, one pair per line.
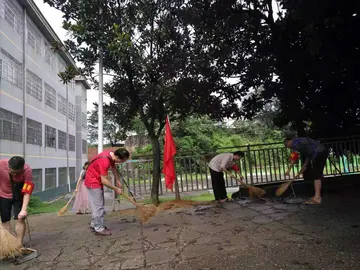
263, 164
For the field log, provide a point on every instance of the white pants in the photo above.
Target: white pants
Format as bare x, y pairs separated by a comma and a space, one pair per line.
97, 205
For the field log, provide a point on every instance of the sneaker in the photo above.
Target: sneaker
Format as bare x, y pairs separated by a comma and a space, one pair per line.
93, 229
104, 232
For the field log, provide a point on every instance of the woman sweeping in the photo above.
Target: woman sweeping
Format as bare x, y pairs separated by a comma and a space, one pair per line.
81, 204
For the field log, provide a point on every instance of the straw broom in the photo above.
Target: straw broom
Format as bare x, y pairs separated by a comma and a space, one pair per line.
63, 210
144, 213
253, 191
9, 247
283, 187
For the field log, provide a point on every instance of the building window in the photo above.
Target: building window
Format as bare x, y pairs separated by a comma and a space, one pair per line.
84, 120
50, 96
10, 69
49, 55
71, 143
34, 38
33, 85
37, 179
33, 132
61, 104
61, 140
50, 178
71, 111
62, 176
10, 126
72, 174
50, 137
11, 12
61, 64
84, 146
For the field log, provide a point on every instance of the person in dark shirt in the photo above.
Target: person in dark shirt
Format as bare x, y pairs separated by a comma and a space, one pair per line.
315, 156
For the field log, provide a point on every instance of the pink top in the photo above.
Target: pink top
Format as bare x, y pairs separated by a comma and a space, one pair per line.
5, 184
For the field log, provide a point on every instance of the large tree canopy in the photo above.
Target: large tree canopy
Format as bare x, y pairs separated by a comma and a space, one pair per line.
306, 57
158, 69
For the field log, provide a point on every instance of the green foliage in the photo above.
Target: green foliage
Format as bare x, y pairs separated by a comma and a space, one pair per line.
37, 206
203, 135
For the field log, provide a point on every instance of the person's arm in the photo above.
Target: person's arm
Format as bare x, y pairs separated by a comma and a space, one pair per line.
26, 194
117, 176
304, 167
104, 169
105, 181
291, 165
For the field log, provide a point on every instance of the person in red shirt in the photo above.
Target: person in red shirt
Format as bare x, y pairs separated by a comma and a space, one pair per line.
96, 177
15, 190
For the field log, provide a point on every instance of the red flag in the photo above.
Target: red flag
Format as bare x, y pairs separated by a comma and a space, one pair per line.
169, 153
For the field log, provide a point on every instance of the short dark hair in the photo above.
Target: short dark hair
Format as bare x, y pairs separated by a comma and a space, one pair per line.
122, 153
16, 163
85, 164
239, 153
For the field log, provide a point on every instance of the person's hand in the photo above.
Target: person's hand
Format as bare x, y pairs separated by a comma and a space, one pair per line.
118, 191
76, 190
118, 184
22, 214
297, 175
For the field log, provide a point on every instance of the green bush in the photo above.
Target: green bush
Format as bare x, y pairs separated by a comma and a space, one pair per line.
35, 202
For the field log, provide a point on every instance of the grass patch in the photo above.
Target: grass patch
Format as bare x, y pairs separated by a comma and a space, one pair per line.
37, 206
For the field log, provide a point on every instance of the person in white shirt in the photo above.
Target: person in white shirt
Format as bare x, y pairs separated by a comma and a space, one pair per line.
217, 166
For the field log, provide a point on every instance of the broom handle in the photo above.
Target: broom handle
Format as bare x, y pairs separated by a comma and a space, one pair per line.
72, 197
132, 200
239, 180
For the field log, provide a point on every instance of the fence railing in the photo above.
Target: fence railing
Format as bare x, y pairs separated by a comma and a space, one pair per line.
263, 164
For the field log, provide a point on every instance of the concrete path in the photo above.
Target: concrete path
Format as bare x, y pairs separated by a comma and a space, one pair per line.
259, 235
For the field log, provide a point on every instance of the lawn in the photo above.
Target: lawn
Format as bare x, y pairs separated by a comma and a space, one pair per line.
36, 206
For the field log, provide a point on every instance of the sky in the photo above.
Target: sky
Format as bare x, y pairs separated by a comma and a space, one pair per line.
54, 17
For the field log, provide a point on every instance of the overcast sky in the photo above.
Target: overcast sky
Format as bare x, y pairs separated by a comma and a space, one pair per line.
54, 17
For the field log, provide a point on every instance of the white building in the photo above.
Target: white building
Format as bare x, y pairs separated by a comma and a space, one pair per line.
40, 117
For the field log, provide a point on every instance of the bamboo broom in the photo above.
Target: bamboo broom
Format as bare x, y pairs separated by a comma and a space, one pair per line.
253, 191
63, 210
283, 187
9, 247
144, 213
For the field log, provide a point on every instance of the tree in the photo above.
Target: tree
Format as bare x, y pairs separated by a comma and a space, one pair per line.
112, 131
301, 52
157, 69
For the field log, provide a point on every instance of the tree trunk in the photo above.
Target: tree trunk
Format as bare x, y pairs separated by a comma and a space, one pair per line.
156, 170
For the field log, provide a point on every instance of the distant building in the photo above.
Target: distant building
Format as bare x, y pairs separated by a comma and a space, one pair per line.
40, 118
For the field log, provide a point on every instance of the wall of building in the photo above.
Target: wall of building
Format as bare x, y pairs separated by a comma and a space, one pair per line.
34, 103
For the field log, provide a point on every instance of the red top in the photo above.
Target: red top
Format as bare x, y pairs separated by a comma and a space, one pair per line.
98, 168
5, 183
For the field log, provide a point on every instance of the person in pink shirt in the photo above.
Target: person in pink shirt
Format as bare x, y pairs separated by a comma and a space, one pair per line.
16, 187
96, 177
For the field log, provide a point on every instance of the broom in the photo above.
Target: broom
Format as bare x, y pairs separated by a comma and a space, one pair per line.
9, 247
144, 213
63, 210
253, 191
283, 187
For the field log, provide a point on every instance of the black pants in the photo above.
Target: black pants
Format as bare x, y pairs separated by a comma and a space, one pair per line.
218, 185
5, 208
316, 167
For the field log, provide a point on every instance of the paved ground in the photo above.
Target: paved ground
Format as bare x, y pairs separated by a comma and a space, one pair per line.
267, 235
